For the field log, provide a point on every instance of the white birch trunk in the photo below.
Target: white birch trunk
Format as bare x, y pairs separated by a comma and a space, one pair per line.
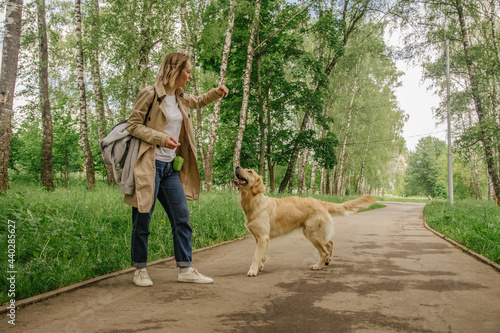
10, 53
98, 90
246, 86
212, 135
192, 35
340, 169
89, 161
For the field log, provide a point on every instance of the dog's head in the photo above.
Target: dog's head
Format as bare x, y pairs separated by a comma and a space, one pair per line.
248, 180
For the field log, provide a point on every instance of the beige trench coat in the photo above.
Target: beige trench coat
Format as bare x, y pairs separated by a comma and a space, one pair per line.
152, 136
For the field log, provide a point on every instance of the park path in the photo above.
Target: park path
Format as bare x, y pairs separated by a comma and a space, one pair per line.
388, 274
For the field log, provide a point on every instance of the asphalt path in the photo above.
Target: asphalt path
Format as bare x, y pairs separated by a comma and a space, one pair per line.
388, 274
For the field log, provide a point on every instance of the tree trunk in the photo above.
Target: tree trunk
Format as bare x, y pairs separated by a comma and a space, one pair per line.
98, 90
246, 86
146, 45
212, 135
478, 180
262, 126
481, 113
89, 161
270, 163
301, 181
10, 53
192, 29
46, 171
340, 166
363, 164
312, 185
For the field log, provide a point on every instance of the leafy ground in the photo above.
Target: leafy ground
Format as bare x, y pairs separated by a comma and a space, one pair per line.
72, 234
475, 224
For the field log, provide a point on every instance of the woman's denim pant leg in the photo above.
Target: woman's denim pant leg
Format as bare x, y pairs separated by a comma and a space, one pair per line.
170, 193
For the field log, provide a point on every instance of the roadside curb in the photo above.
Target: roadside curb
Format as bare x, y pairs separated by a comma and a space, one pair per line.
464, 248
53, 293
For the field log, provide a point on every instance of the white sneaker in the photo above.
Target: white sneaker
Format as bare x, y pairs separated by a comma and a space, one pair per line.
193, 276
141, 278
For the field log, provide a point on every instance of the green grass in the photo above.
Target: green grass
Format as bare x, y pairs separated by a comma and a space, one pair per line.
474, 224
71, 235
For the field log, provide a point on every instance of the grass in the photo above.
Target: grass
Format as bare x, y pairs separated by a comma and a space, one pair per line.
474, 224
71, 235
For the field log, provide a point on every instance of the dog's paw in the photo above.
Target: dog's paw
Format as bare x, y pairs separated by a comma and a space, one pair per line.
316, 267
261, 267
252, 272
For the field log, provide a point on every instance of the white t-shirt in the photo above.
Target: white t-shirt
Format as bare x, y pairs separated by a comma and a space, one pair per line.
173, 128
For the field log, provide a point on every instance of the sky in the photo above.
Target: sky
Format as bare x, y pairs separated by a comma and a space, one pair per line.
416, 101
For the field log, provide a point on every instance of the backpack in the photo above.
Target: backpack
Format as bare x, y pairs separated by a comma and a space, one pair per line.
119, 145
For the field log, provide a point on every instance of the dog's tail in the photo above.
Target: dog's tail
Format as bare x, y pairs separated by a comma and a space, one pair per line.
349, 207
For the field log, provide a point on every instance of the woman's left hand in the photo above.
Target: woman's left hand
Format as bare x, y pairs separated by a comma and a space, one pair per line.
222, 91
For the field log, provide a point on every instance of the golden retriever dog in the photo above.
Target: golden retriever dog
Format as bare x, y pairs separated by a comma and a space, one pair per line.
267, 218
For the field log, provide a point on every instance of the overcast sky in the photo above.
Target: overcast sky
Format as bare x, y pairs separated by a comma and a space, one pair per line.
416, 100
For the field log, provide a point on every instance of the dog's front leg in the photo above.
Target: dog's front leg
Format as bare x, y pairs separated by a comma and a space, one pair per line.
259, 256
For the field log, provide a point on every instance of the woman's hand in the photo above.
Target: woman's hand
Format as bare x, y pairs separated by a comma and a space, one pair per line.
171, 143
222, 91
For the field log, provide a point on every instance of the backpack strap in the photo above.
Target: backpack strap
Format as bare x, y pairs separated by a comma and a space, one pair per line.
150, 105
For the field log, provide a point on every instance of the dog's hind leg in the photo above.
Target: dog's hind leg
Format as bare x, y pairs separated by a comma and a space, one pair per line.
329, 246
316, 238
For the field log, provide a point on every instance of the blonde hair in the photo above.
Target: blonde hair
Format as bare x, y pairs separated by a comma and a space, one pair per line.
171, 66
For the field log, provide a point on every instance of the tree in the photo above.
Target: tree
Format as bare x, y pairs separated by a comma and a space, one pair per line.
10, 53
89, 160
43, 79
212, 135
353, 15
192, 24
96, 79
424, 167
246, 84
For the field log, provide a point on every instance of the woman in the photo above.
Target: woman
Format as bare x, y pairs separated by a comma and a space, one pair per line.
167, 132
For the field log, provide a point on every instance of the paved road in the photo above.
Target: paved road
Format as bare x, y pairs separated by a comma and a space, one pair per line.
389, 274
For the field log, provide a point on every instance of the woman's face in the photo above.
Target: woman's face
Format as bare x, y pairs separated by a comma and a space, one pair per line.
184, 76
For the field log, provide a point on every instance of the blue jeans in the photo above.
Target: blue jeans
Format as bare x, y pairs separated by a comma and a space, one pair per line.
169, 191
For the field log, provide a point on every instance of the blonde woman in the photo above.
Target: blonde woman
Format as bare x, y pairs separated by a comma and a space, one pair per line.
166, 133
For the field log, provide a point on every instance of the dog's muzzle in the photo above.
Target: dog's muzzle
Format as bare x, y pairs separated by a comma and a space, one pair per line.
239, 180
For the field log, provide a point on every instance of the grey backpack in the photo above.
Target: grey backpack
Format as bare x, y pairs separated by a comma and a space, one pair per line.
119, 148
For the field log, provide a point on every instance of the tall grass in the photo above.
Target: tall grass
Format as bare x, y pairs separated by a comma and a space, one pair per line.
474, 224
67, 236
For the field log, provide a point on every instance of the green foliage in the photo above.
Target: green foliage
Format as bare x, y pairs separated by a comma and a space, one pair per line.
474, 224
424, 167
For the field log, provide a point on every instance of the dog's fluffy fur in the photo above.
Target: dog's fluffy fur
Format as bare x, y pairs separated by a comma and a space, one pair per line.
267, 218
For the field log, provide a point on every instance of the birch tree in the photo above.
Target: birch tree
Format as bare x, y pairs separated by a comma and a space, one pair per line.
246, 85
96, 79
192, 25
10, 53
89, 160
46, 172
212, 135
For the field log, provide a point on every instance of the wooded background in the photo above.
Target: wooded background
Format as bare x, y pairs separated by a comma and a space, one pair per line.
311, 104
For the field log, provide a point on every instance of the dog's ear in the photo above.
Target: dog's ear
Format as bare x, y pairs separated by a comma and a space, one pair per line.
258, 187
